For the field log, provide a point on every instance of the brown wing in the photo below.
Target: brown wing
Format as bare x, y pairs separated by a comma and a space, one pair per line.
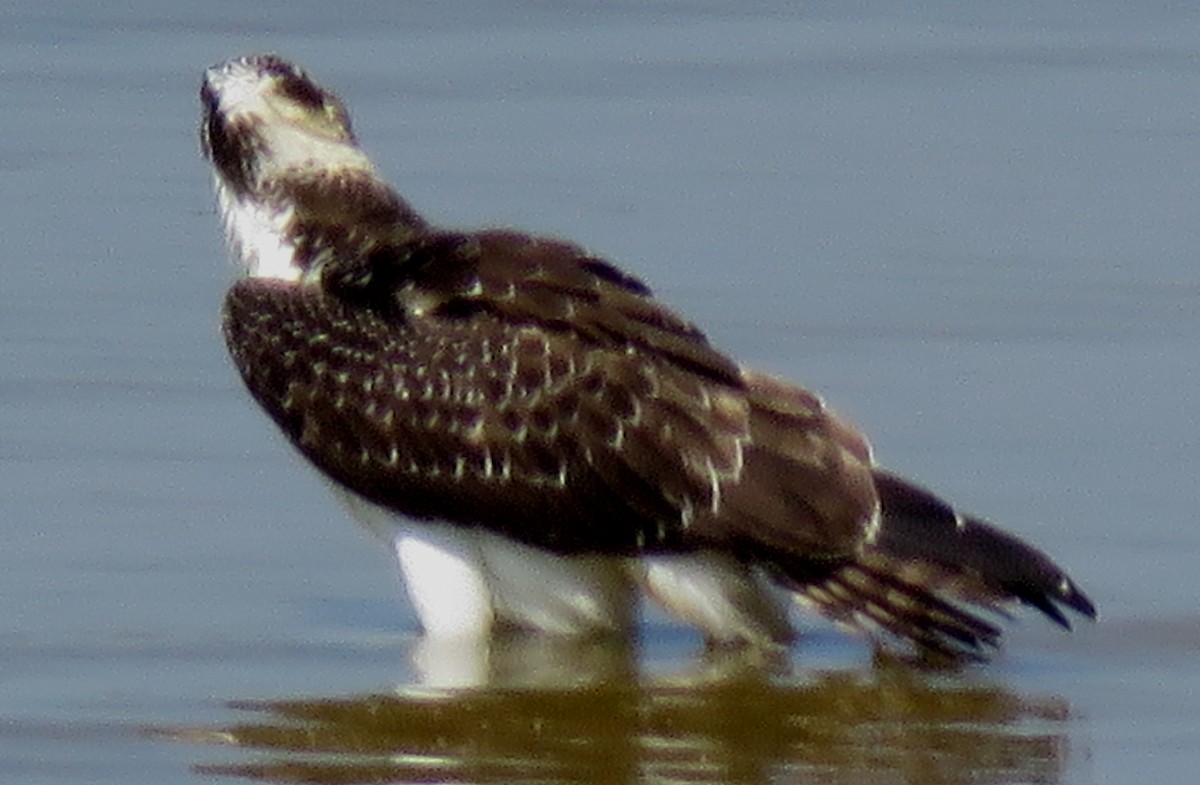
522, 279
807, 491
496, 380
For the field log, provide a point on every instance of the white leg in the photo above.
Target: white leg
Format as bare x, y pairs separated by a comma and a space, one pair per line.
444, 574
728, 601
537, 590
441, 565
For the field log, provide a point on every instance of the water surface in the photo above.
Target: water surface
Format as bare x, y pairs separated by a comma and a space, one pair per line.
973, 230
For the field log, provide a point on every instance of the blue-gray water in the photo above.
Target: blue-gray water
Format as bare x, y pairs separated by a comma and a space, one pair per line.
974, 231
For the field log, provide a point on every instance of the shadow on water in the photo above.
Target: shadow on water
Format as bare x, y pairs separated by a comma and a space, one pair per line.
728, 723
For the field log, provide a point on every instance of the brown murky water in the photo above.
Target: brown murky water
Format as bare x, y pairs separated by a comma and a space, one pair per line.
841, 728
728, 722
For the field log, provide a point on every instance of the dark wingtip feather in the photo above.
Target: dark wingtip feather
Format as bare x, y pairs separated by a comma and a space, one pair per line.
1047, 607
1050, 599
1070, 595
920, 527
1081, 603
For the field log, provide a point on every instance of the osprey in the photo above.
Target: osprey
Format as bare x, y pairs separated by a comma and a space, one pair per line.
538, 438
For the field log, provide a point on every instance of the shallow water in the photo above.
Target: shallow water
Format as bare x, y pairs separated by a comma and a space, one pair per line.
831, 726
972, 230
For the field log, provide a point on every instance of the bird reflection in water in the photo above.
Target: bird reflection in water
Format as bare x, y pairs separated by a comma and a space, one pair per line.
604, 719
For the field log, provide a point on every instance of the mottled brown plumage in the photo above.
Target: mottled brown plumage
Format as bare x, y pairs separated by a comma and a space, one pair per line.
518, 385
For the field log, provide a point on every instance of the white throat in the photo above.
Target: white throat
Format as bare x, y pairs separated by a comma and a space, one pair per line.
257, 236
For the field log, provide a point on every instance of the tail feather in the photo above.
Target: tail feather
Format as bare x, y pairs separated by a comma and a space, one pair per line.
933, 578
878, 594
920, 528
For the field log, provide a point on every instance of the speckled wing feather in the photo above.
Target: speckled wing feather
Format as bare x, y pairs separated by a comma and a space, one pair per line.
528, 280
520, 385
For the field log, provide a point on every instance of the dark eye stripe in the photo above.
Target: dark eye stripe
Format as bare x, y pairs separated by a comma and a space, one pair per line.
302, 91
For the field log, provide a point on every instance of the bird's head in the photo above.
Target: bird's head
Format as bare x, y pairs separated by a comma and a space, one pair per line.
294, 188
265, 119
